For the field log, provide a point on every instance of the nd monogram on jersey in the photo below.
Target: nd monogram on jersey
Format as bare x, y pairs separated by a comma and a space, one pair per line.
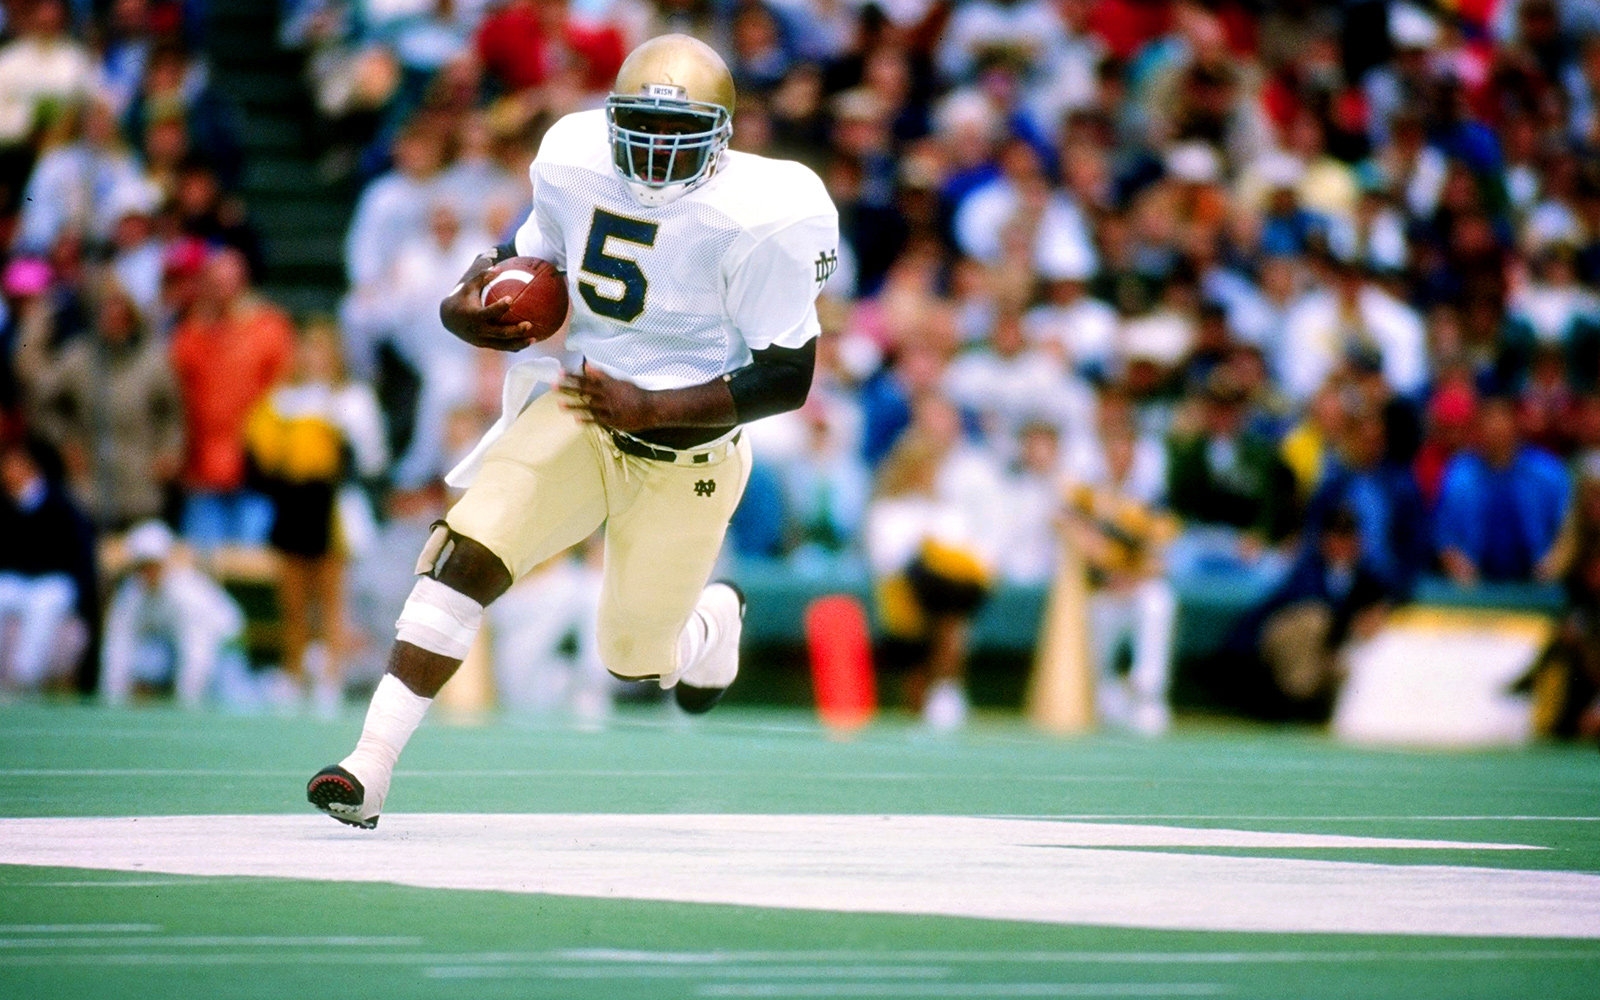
676, 295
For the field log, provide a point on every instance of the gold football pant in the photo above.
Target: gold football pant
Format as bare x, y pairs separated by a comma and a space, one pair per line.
551, 480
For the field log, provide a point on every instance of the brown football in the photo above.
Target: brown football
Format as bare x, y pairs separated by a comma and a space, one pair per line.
538, 293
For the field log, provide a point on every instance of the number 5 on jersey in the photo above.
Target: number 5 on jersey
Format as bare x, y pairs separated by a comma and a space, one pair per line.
623, 271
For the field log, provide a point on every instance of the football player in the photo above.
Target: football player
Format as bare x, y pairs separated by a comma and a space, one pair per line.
693, 271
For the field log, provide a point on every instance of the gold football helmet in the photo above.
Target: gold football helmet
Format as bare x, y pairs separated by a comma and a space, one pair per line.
670, 116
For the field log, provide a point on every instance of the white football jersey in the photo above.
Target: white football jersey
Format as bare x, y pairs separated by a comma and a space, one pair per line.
676, 295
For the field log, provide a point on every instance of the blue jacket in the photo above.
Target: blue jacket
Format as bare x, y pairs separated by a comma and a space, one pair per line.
1541, 489
1389, 516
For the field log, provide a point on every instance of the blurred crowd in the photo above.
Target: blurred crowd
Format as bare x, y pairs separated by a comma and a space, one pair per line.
1298, 298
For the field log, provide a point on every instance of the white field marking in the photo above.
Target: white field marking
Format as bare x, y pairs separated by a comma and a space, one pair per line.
194, 772
293, 957
558, 774
812, 972
215, 941
127, 883
962, 990
514, 961
1043, 871
80, 928
1237, 818
836, 956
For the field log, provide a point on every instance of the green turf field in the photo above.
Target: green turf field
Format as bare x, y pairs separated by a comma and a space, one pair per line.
749, 805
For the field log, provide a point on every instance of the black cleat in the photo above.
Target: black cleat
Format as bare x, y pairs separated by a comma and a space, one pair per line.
338, 793
699, 700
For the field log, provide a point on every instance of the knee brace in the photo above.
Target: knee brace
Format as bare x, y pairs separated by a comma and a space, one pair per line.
439, 620
435, 617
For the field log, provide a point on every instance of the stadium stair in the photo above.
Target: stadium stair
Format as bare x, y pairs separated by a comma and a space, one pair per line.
302, 219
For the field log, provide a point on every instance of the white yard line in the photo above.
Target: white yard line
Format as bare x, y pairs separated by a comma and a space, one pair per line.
756, 959
962, 990
215, 941
80, 928
811, 972
130, 883
1239, 817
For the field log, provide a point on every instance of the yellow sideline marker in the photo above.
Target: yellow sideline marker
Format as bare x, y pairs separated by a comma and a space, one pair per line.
1061, 690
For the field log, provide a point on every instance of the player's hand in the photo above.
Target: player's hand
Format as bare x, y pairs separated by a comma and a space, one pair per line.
464, 314
597, 398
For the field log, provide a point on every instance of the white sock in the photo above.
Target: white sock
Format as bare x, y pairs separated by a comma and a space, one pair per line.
392, 717
692, 642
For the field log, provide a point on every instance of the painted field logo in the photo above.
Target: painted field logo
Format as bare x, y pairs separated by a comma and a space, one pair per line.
705, 487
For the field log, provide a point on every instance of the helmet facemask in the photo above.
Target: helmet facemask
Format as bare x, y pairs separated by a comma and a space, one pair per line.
664, 144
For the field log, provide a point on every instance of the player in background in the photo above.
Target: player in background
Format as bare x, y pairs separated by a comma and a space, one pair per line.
693, 272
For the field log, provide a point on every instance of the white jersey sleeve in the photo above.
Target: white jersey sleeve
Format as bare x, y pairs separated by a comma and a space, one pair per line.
772, 290
540, 235
773, 285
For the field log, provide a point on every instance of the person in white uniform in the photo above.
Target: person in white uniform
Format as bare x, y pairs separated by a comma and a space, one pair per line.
693, 272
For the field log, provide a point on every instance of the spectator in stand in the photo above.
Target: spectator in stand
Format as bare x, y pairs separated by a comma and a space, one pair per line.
47, 573
1501, 504
1574, 562
1308, 449
137, 256
1451, 415
444, 364
227, 354
487, 193
177, 88
207, 213
76, 183
1329, 599
1052, 224
1231, 490
109, 404
888, 398
298, 439
1557, 310
168, 624
1074, 324
1351, 314
391, 212
124, 52
29, 326
1384, 498
43, 71
1114, 518
1004, 385
1547, 408
931, 537
1034, 490
527, 42
758, 56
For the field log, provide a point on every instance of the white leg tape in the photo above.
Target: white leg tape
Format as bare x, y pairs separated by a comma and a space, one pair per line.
439, 619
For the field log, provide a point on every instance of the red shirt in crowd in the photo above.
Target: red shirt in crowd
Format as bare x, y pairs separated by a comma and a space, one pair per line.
518, 49
224, 367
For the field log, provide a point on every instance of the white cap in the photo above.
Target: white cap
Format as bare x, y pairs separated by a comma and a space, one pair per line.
132, 197
965, 109
149, 542
1194, 162
1280, 170
1412, 28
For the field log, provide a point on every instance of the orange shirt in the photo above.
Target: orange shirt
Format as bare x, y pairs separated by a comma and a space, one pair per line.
224, 367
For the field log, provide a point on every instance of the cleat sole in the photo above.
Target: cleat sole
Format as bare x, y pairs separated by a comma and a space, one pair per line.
337, 792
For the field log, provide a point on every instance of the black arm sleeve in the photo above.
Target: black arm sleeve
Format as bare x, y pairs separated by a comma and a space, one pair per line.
504, 251
776, 381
